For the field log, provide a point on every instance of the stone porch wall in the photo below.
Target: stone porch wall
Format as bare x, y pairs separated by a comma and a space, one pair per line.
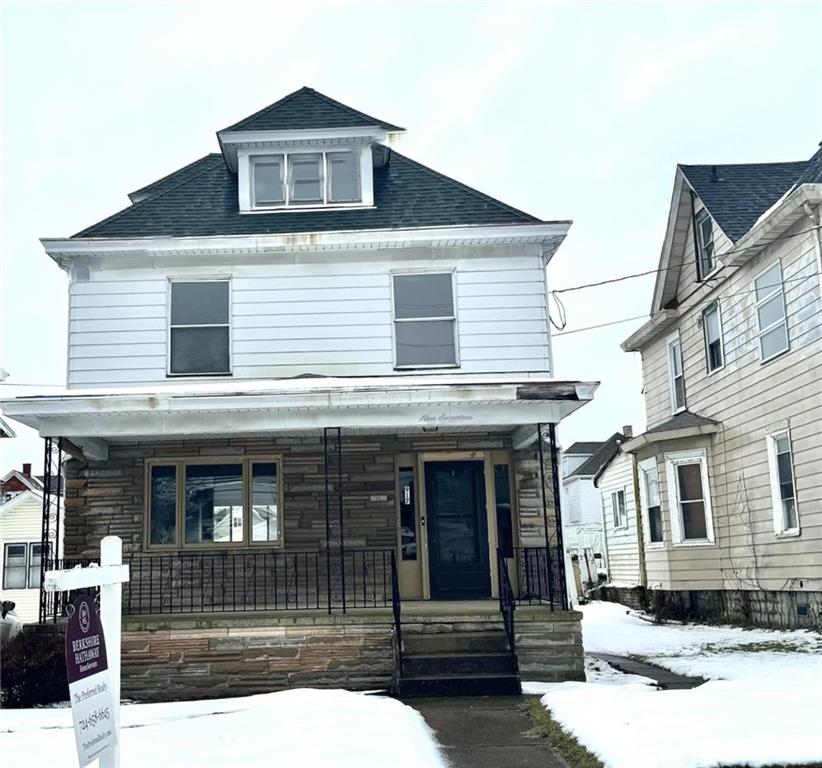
549, 645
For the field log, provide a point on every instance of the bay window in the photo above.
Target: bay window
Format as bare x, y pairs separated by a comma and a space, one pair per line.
649, 492
691, 517
221, 502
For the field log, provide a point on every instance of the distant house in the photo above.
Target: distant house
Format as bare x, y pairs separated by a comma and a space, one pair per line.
21, 519
582, 521
730, 466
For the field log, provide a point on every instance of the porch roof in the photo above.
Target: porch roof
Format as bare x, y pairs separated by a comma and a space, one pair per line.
92, 418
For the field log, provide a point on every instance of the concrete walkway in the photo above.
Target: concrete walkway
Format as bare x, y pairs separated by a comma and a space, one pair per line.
489, 732
665, 679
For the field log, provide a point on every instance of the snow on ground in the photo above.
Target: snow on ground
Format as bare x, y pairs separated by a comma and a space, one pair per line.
762, 705
304, 727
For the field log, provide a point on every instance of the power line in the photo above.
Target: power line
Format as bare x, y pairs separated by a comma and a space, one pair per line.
599, 325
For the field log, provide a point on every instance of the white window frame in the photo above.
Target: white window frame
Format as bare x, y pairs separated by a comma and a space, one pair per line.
776, 496
672, 461
620, 520
779, 289
251, 160
700, 216
645, 467
220, 374
674, 341
714, 304
395, 319
27, 546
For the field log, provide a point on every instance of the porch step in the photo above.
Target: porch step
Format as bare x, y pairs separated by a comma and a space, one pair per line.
454, 643
473, 685
442, 665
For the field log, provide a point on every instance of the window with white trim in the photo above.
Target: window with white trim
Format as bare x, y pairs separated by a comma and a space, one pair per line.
15, 562
618, 508
712, 331
676, 375
424, 320
199, 328
649, 489
706, 249
305, 179
771, 324
783, 488
691, 518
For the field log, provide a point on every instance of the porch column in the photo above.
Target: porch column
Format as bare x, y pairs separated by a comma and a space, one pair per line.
549, 483
50, 528
334, 535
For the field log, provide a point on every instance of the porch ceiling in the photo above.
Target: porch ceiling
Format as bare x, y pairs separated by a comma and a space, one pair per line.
376, 405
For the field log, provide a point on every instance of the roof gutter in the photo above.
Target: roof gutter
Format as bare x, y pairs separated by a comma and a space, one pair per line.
653, 328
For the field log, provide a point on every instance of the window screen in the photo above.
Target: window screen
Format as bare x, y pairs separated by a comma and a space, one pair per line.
199, 333
343, 170
424, 320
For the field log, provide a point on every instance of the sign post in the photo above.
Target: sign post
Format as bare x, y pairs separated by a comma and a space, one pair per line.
93, 653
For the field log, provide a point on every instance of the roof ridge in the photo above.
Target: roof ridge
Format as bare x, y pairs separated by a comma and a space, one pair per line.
149, 199
351, 110
277, 103
173, 173
464, 186
741, 165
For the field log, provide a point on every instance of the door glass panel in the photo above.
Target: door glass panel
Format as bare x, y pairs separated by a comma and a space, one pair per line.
213, 503
456, 518
408, 515
502, 494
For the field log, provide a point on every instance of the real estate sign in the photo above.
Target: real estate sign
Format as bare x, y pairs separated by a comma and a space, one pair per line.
90, 689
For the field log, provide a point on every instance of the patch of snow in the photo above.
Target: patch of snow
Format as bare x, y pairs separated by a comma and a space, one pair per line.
596, 671
304, 727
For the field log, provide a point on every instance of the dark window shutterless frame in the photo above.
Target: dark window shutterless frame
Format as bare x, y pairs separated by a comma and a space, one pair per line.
199, 327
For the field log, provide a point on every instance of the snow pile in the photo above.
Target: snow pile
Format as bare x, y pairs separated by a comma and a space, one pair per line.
761, 706
304, 727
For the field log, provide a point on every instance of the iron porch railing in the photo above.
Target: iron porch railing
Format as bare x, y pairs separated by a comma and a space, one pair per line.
206, 582
537, 578
507, 602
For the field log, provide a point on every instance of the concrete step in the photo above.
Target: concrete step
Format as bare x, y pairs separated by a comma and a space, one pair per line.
454, 643
473, 685
463, 664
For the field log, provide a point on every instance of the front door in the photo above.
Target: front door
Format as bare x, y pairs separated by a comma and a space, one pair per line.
457, 530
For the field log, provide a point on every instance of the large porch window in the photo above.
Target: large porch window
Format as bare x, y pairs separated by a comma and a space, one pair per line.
224, 502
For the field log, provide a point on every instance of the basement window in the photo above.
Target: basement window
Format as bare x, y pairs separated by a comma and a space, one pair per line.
199, 328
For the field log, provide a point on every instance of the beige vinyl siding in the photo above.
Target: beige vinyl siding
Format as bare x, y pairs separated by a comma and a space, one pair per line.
306, 315
750, 399
621, 543
21, 524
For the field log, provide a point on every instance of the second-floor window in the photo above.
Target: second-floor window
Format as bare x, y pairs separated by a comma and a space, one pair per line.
199, 328
424, 320
676, 374
305, 179
712, 330
705, 249
770, 312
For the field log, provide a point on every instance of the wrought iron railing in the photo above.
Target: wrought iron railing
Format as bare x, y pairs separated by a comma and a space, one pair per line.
507, 602
538, 577
397, 610
205, 582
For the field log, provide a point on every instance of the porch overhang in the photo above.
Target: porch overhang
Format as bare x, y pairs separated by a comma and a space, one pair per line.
91, 418
682, 426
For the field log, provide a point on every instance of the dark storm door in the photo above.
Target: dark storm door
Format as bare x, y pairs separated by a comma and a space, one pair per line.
457, 530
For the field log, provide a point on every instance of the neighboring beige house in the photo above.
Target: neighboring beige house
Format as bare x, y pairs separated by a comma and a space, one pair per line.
730, 468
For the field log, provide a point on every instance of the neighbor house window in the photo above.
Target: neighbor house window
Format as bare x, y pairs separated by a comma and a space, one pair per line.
618, 509
712, 330
502, 503
35, 549
223, 502
15, 559
424, 320
706, 250
650, 491
783, 489
199, 328
305, 179
770, 313
676, 375
690, 500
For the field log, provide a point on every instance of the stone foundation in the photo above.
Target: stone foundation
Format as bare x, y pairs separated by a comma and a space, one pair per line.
549, 645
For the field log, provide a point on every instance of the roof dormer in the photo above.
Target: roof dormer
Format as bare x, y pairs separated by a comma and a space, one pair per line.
304, 152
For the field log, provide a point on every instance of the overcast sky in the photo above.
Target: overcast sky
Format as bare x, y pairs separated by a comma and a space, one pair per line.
574, 111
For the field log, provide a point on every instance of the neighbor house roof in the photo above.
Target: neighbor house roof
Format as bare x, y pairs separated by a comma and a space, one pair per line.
737, 195
307, 108
200, 200
683, 424
6, 430
16, 480
582, 448
593, 466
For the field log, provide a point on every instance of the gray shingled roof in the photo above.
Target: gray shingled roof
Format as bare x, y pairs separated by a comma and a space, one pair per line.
176, 177
593, 467
583, 448
682, 420
307, 108
813, 170
201, 200
737, 195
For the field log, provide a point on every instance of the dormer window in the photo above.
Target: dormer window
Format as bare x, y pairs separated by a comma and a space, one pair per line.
305, 179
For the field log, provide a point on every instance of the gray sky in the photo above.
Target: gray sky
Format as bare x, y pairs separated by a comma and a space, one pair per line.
565, 110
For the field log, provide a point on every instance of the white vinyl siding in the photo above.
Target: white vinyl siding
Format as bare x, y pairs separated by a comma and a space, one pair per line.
314, 317
621, 542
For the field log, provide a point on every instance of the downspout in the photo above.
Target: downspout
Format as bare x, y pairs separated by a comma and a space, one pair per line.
815, 218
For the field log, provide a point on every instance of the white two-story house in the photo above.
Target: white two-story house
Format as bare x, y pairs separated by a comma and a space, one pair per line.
310, 386
730, 467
